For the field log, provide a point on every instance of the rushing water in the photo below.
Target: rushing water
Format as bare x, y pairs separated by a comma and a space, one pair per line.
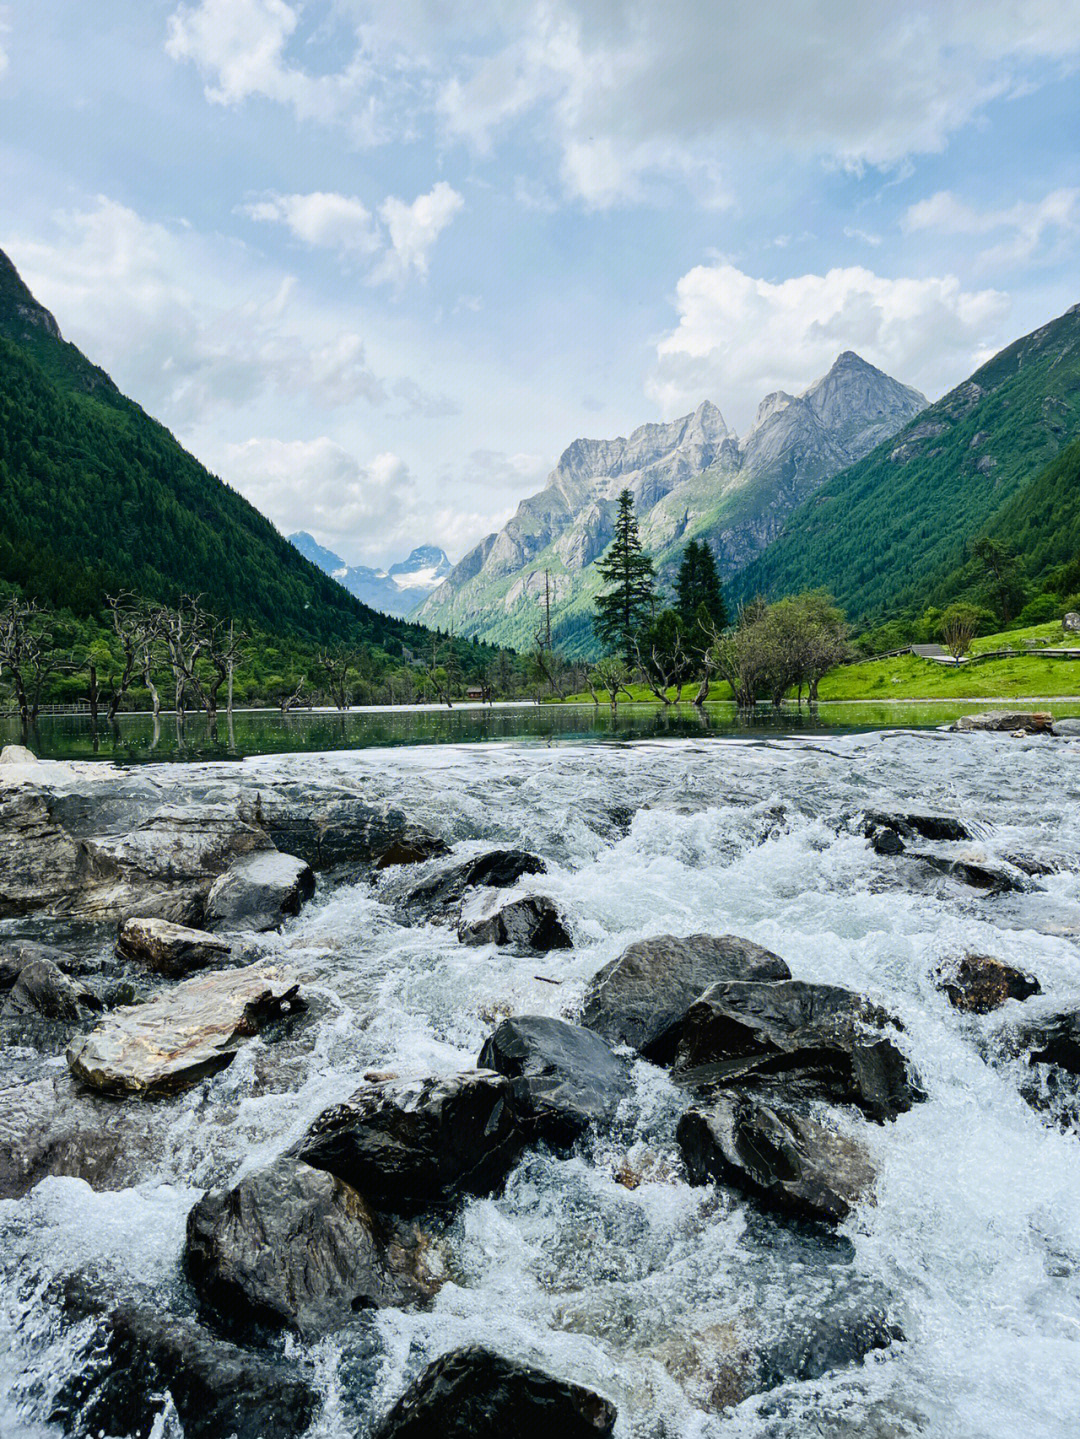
137, 739
974, 1238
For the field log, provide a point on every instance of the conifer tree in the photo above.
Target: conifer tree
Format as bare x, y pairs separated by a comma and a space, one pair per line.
628, 599
698, 584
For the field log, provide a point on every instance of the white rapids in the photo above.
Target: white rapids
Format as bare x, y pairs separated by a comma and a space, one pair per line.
974, 1238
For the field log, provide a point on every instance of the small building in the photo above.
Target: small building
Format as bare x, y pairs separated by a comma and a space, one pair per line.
476, 692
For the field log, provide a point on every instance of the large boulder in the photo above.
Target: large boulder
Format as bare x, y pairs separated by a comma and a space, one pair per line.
474, 1393
641, 998
1070, 623
40, 863
171, 949
139, 1358
531, 924
13, 754
977, 983
291, 1245
49, 1126
908, 824
328, 825
798, 1040
407, 1144
441, 892
42, 990
1009, 721
259, 892
974, 869
178, 1037
785, 1158
411, 848
1067, 728
563, 1078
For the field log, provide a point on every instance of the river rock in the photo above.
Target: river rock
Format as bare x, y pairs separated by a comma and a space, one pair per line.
17, 754
172, 949
218, 1389
474, 1393
927, 826
1049, 1039
973, 870
412, 849
563, 1078
405, 1144
530, 925
641, 998
329, 825
41, 989
1009, 721
798, 1041
497, 869
260, 892
294, 1245
49, 1126
40, 863
1067, 728
977, 984
789, 1160
176, 1038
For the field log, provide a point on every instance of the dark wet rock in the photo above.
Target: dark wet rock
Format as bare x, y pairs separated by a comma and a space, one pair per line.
474, 1393
40, 863
260, 892
414, 849
291, 1245
329, 825
796, 1041
563, 1078
50, 1126
439, 893
183, 1034
977, 983
408, 1144
1009, 721
641, 998
926, 826
884, 840
1052, 1039
15, 953
531, 924
785, 1158
139, 1355
167, 948
977, 872
42, 989
812, 1344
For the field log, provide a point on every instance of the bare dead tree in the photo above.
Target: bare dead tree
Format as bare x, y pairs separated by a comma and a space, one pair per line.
27, 654
289, 702
663, 666
138, 630
546, 664
336, 662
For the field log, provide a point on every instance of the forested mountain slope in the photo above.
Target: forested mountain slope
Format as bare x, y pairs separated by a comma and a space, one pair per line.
889, 533
97, 497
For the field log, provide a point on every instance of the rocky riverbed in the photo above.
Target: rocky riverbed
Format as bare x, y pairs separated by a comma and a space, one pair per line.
716, 1088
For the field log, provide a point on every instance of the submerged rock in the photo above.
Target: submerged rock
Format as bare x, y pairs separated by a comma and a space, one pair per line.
412, 849
497, 869
641, 998
531, 924
1052, 1039
260, 892
563, 1078
1010, 721
927, 826
474, 1393
798, 1040
191, 1030
408, 1144
144, 1356
293, 1245
785, 1158
977, 984
167, 948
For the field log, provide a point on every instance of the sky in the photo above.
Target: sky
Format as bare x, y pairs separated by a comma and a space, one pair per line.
378, 262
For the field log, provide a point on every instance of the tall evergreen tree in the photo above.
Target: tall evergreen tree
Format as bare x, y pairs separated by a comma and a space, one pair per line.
627, 602
698, 584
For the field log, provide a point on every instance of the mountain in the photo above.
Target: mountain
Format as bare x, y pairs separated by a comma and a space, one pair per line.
889, 533
692, 478
96, 497
396, 591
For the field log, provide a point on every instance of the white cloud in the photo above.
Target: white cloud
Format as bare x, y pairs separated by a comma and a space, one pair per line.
413, 230
186, 324
1024, 226
739, 338
317, 485
336, 222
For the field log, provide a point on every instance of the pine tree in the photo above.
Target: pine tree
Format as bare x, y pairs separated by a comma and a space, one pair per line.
627, 572
698, 584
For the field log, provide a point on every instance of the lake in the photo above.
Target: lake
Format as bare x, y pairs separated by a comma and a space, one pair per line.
136, 739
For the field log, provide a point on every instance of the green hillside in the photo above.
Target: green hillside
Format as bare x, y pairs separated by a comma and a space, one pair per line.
889, 533
97, 497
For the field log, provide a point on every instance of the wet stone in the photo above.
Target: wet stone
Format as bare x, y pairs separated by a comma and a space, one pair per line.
260, 892
440, 893
170, 949
978, 983
529, 925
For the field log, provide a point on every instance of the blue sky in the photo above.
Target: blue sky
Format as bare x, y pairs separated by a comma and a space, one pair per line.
377, 262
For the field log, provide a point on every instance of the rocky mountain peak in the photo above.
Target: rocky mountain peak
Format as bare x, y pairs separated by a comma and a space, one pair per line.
20, 313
